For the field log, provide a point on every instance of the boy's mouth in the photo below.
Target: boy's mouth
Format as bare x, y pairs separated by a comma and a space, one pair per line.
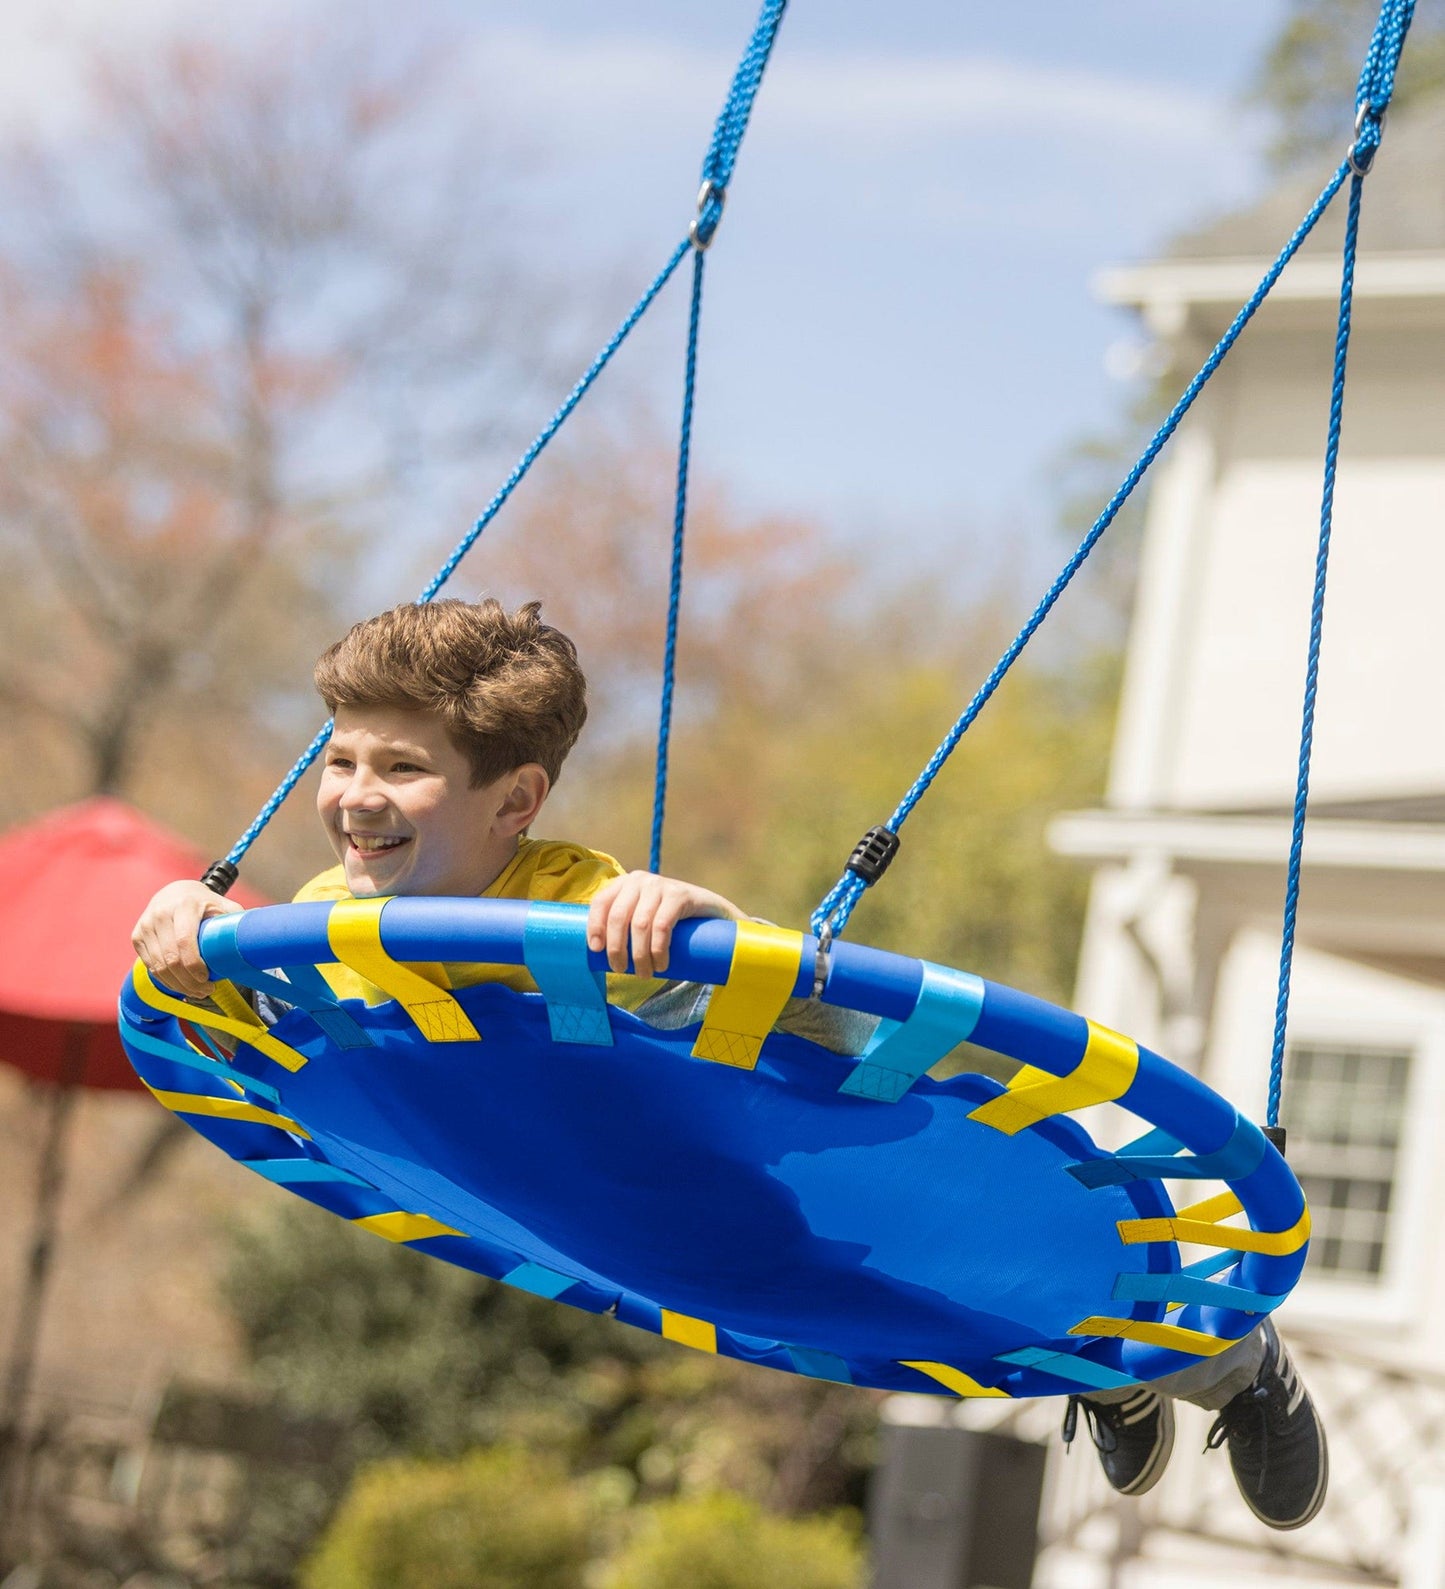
373, 844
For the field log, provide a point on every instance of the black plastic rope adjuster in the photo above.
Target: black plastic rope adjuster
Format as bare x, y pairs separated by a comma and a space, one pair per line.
1275, 1135
873, 853
219, 876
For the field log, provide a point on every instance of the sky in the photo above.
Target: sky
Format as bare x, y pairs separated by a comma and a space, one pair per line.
899, 336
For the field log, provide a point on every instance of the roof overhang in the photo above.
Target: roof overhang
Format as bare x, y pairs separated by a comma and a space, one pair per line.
1204, 839
1369, 889
1169, 293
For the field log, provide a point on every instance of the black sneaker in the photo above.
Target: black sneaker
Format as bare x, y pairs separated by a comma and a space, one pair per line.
1276, 1443
1133, 1437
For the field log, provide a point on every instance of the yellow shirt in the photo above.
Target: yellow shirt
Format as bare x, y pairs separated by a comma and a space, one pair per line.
541, 869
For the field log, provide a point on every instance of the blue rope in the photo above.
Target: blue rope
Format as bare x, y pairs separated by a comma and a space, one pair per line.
674, 593
1372, 99
722, 154
1312, 665
718, 166
838, 905
553, 425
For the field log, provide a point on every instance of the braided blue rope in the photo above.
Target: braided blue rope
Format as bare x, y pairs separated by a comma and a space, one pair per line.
838, 905
1372, 99
717, 171
1312, 664
674, 592
718, 166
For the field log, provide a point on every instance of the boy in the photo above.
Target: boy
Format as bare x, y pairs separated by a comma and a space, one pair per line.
452, 722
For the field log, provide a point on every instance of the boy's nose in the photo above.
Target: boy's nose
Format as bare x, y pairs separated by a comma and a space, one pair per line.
362, 793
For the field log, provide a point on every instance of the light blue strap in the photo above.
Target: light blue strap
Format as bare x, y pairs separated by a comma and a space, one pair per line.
303, 986
948, 1007
179, 1054
293, 1172
819, 1365
1153, 1144
540, 1281
1240, 1156
1186, 1288
554, 950
1065, 1365
1212, 1264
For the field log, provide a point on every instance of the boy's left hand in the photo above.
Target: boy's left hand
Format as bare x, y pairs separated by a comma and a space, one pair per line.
641, 910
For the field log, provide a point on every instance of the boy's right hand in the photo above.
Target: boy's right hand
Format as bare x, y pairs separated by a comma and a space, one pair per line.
165, 937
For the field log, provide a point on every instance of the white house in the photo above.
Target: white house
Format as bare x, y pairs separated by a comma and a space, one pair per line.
1188, 854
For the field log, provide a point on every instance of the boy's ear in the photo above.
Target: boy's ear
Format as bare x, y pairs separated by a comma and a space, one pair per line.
529, 788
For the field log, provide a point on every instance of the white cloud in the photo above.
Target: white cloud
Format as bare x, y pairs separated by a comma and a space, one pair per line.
848, 96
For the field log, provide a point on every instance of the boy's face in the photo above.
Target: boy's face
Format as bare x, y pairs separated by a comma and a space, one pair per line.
397, 802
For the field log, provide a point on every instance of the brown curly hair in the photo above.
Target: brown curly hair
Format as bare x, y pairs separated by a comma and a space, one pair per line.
507, 687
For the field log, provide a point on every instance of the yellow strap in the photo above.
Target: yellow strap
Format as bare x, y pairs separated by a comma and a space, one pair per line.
1220, 1206
1176, 1338
354, 931
955, 1379
689, 1331
195, 1103
760, 982
237, 1020
400, 1226
1200, 1225
1105, 1072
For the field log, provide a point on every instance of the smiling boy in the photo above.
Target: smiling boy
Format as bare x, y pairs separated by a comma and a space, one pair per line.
452, 721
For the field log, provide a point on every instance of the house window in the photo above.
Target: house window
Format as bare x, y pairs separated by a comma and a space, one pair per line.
1345, 1109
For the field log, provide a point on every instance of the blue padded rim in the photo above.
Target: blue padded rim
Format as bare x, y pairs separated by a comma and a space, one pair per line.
1186, 1117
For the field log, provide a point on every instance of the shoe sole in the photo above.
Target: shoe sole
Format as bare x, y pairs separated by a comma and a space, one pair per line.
1153, 1470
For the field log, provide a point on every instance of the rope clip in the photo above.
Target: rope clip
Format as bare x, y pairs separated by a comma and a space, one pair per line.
219, 876
710, 193
1362, 160
873, 854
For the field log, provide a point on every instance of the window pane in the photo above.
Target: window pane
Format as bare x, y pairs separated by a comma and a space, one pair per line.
1344, 1107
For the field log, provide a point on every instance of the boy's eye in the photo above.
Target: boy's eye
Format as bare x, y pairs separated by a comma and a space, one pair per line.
407, 766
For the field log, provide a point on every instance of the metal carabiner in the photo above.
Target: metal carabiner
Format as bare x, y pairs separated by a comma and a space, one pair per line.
1361, 167
821, 964
710, 192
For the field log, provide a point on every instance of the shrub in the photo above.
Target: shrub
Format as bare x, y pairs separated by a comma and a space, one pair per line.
722, 1541
495, 1519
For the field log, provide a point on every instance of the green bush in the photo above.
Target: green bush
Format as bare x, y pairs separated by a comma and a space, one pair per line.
726, 1542
497, 1519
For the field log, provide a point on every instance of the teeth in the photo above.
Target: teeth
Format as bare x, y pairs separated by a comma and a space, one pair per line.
370, 845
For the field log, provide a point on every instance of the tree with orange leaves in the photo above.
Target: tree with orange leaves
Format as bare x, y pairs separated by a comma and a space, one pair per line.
236, 336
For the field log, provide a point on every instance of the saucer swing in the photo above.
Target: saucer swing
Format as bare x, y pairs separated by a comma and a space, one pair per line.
731, 1187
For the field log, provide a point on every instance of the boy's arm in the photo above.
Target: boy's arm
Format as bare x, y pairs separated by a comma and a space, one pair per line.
641, 909
165, 937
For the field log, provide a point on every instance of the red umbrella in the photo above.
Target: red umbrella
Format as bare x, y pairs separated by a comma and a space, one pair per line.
71, 887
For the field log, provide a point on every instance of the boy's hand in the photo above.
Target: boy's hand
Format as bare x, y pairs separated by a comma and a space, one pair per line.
165, 937
642, 909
